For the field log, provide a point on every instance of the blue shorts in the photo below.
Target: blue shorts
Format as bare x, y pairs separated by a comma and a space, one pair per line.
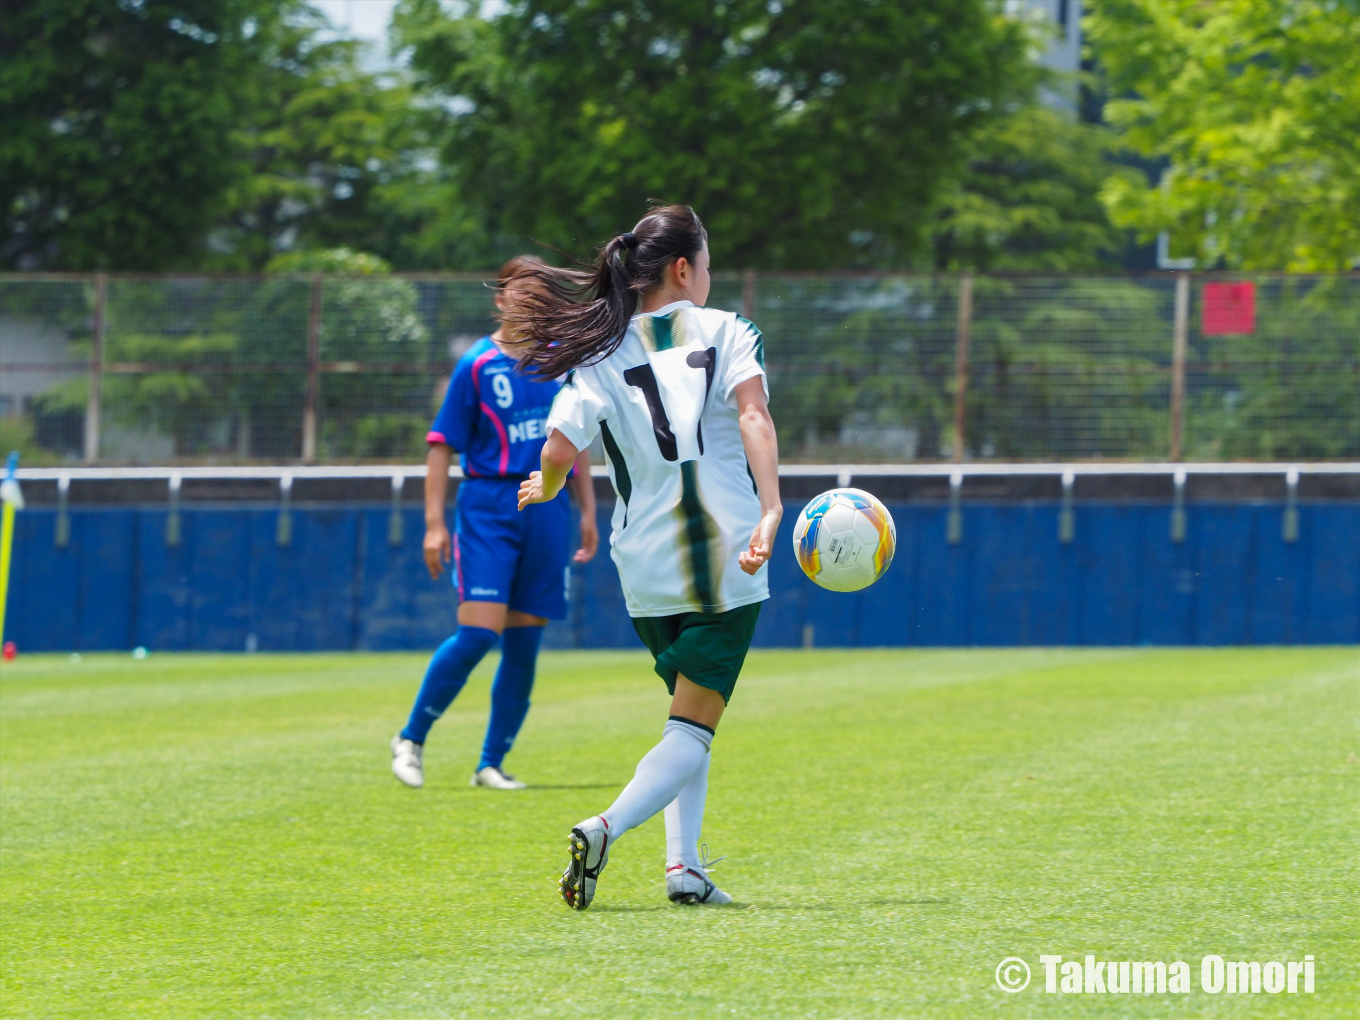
501, 554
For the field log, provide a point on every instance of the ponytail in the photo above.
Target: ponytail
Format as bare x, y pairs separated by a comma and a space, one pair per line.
566, 318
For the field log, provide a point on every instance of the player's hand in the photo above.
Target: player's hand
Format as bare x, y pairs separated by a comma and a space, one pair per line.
531, 490
762, 542
590, 541
438, 549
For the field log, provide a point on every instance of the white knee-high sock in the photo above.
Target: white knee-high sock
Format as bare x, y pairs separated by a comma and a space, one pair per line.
685, 818
661, 774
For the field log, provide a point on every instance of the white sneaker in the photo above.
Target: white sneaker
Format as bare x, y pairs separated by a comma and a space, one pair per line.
496, 778
692, 885
589, 844
406, 764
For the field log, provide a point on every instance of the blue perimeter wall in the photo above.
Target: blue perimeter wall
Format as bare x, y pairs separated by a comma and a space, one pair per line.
341, 585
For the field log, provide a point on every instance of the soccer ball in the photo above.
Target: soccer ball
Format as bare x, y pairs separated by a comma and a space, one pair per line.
844, 539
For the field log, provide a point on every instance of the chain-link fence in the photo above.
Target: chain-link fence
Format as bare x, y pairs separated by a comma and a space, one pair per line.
864, 368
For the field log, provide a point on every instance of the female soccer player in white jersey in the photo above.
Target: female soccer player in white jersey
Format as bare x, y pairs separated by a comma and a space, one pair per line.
677, 394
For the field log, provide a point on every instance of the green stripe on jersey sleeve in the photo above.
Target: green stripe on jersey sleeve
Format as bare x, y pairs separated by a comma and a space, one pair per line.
760, 341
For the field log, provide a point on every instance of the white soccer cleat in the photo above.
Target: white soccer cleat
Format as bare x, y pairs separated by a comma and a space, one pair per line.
692, 885
589, 845
406, 764
496, 778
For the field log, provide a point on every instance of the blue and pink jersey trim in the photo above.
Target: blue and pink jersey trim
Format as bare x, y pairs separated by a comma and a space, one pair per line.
492, 415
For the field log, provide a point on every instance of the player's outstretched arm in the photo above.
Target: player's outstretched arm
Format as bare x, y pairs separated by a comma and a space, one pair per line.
583, 489
557, 458
762, 452
438, 548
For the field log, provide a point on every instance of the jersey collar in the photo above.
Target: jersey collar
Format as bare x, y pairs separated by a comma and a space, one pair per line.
667, 309
491, 345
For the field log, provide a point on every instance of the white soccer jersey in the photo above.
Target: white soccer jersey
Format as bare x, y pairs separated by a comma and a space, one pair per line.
664, 405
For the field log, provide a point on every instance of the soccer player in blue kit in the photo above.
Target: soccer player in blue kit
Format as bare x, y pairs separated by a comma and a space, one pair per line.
510, 567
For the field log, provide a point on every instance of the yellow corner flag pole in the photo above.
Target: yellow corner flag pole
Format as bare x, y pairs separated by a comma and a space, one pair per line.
13, 500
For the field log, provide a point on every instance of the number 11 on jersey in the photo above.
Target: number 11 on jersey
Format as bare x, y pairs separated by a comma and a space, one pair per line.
644, 378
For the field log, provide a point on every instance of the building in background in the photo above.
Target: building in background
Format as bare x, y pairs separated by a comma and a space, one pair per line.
1063, 52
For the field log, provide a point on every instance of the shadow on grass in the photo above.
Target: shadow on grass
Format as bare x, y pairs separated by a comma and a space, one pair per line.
739, 905
477, 791
840, 906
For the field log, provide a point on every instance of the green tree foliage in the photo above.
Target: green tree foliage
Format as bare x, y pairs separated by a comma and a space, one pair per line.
368, 318
189, 399
158, 135
16, 433
1255, 104
196, 134
859, 366
863, 368
808, 134
118, 147
330, 148
1291, 389
220, 365
1069, 367
171, 358
1027, 198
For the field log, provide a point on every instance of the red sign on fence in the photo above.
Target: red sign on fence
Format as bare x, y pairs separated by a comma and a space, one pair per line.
1229, 308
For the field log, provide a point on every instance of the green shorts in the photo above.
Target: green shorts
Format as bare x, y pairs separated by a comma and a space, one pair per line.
708, 648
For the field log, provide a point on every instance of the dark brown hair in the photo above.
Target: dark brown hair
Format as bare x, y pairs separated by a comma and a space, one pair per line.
579, 317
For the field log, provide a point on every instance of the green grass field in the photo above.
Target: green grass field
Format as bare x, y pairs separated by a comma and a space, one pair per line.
219, 836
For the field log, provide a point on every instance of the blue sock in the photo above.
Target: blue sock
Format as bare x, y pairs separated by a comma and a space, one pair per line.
448, 672
510, 692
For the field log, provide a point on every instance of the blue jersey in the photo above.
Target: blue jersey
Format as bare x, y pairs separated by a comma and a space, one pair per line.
493, 415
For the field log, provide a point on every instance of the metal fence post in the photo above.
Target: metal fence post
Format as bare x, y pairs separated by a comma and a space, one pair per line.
1178, 506
394, 524
1180, 338
1067, 523
61, 537
172, 523
953, 523
965, 324
748, 295
1290, 529
93, 407
313, 393
283, 525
